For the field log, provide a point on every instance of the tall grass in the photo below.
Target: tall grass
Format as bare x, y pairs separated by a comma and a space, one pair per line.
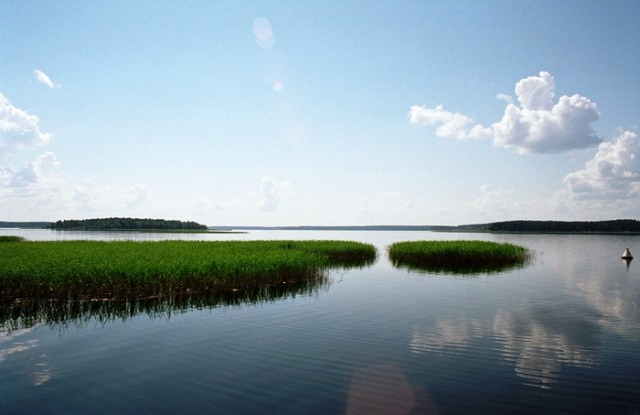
10, 238
458, 257
124, 269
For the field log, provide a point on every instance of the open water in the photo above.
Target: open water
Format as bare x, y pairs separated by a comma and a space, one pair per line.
561, 335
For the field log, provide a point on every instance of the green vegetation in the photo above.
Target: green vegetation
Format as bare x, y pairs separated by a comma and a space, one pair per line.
10, 238
458, 257
610, 226
531, 226
111, 224
81, 270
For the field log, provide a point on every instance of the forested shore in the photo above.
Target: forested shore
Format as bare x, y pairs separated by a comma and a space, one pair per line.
531, 226
106, 224
624, 226
609, 226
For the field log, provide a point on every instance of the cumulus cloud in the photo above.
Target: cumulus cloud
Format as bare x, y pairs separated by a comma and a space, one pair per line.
37, 187
536, 92
449, 124
23, 180
613, 173
43, 78
271, 192
533, 124
19, 129
34, 187
538, 125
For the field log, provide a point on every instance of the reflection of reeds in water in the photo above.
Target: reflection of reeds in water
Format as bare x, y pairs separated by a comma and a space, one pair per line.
458, 257
37, 278
460, 269
28, 312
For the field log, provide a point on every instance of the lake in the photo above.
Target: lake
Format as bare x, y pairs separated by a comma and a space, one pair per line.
561, 335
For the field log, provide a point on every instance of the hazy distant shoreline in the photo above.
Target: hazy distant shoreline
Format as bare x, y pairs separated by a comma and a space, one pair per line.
618, 226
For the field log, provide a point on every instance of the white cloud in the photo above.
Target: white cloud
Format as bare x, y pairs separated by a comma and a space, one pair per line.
37, 187
540, 126
535, 125
450, 124
608, 186
19, 129
613, 173
536, 92
271, 192
504, 97
43, 78
33, 188
25, 180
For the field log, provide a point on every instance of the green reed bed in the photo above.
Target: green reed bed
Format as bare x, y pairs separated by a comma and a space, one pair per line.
10, 238
124, 269
459, 257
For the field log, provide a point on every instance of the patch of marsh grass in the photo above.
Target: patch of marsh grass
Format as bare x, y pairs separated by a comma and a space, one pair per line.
11, 238
127, 269
458, 257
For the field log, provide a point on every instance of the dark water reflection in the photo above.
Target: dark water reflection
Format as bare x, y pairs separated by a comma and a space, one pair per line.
461, 268
28, 312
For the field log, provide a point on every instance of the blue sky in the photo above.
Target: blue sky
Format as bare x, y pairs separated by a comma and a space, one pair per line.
320, 113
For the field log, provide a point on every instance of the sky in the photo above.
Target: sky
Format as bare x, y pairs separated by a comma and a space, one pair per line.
279, 113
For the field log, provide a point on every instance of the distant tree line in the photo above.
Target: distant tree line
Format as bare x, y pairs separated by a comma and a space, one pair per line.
607, 226
105, 224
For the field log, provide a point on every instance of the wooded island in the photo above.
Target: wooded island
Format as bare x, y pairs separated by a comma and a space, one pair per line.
112, 224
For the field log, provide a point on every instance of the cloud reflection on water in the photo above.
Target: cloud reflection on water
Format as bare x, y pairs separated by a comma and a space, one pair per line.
574, 302
456, 333
615, 296
10, 344
538, 340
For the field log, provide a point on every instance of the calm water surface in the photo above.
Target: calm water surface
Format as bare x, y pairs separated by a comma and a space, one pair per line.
561, 335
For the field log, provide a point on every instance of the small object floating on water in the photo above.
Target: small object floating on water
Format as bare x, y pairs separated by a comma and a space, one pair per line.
627, 254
